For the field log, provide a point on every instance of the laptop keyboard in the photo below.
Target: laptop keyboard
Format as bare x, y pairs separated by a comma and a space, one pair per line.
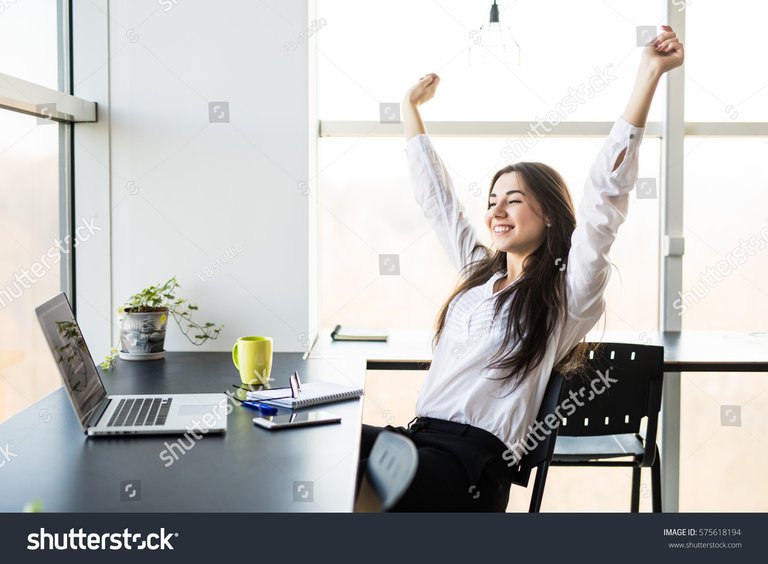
140, 412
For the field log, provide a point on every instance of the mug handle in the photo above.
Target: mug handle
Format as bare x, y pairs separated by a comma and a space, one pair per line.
234, 356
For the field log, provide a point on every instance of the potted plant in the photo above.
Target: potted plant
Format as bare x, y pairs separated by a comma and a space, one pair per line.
143, 319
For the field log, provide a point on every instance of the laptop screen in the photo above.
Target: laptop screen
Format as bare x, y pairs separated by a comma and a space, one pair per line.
81, 379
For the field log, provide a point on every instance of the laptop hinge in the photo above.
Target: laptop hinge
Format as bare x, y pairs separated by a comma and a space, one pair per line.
96, 414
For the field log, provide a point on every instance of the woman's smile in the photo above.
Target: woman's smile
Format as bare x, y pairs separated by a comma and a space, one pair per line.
502, 230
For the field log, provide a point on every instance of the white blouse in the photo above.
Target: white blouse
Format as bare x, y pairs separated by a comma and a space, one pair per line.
458, 386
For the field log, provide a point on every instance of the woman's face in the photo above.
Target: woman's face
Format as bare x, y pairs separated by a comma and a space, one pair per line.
514, 216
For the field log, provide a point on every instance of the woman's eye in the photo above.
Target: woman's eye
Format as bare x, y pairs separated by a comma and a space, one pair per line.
491, 204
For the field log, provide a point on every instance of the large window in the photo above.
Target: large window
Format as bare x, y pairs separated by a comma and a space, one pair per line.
716, 89
34, 206
724, 439
726, 235
368, 214
28, 40
724, 288
366, 57
367, 211
29, 226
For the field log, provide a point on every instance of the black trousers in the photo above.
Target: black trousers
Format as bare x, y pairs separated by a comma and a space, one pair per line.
460, 467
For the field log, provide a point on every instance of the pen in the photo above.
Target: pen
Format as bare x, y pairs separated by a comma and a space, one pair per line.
263, 407
298, 380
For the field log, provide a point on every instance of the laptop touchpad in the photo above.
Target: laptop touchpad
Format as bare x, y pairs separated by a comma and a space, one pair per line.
195, 409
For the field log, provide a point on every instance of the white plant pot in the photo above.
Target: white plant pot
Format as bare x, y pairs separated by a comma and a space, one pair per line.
142, 335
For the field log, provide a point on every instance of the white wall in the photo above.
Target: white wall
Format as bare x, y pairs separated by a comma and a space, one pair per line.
184, 191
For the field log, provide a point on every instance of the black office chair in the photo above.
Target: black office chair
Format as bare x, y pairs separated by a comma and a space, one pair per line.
607, 425
390, 470
541, 455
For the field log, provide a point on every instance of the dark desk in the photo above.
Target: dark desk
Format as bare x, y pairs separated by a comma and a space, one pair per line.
246, 469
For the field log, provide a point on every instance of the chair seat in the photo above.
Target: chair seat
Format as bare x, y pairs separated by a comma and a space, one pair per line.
576, 449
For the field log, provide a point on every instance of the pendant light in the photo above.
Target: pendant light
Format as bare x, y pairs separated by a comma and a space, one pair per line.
493, 42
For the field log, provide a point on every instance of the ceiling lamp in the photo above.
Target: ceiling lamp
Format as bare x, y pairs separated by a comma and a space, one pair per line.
493, 42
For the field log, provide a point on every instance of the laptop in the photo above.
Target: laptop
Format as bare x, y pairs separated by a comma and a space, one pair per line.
101, 414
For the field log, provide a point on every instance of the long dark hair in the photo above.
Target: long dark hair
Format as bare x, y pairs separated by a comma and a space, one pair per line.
537, 299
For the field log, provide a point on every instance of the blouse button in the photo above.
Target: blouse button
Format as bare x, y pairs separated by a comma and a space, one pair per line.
632, 136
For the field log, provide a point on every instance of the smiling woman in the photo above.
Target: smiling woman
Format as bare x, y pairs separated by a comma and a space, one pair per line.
540, 218
494, 351
520, 213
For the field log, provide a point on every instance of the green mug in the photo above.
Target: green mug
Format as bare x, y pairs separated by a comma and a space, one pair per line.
253, 358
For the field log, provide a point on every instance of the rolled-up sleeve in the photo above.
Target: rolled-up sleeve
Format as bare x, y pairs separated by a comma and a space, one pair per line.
602, 210
433, 190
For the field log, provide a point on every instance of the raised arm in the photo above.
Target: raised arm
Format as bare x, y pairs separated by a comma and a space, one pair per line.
432, 186
605, 202
663, 54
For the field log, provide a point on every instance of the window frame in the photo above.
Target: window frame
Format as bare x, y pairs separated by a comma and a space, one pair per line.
22, 96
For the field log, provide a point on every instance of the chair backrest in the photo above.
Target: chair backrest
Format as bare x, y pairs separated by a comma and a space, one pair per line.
543, 450
391, 467
622, 385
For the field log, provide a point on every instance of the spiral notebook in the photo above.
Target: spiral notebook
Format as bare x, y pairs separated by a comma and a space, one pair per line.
312, 393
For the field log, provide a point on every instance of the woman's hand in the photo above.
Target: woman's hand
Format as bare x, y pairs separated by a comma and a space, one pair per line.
417, 94
423, 90
664, 53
